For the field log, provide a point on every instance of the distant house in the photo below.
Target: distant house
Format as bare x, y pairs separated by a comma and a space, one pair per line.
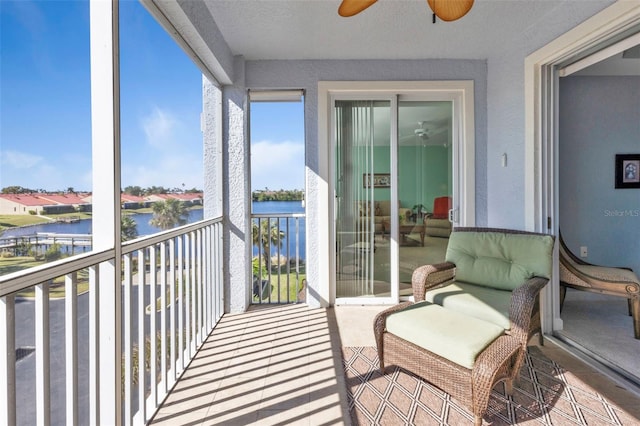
188, 198
65, 203
69, 203
43, 203
154, 198
133, 201
22, 203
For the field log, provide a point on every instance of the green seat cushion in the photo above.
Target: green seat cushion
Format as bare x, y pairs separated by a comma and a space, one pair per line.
498, 259
450, 334
484, 303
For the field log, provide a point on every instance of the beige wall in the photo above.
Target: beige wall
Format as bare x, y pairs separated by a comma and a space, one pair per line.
11, 207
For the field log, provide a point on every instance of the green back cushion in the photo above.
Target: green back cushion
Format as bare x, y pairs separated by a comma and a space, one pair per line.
499, 260
488, 304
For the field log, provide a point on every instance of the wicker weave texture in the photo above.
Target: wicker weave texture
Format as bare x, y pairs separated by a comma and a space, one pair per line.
501, 360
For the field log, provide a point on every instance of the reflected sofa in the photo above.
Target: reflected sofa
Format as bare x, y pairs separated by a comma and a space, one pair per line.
381, 213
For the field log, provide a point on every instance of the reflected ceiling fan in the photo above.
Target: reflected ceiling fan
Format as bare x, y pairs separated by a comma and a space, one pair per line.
422, 132
447, 10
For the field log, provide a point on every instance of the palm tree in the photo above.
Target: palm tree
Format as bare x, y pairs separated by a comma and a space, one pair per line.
168, 214
265, 237
128, 228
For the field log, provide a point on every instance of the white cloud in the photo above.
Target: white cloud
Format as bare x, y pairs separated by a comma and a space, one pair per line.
20, 160
33, 171
160, 127
43, 172
277, 165
171, 156
169, 171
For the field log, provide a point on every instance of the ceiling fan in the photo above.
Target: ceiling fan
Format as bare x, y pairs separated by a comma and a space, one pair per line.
447, 10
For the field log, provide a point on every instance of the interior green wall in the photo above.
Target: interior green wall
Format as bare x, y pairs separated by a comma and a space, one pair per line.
423, 174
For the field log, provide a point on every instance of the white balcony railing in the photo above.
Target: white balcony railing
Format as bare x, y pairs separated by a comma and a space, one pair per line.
279, 266
172, 297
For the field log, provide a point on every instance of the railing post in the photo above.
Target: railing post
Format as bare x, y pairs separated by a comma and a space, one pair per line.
94, 345
71, 347
8, 361
153, 330
142, 405
127, 344
172, 311
43, 366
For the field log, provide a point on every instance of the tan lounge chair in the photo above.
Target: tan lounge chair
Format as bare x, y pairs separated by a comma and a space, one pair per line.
578, 274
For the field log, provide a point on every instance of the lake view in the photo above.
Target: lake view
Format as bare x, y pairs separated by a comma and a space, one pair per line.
143, 227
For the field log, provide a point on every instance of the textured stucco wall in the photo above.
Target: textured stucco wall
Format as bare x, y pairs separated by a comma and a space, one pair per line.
235, 184
599, 118
307, 74
499, 120
212, 119
505, 104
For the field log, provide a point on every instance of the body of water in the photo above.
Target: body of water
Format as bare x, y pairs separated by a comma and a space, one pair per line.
84, 226
288, 245
143, 227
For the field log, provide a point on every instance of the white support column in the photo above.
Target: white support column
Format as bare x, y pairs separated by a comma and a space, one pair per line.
237, 194
212, 140
105, 118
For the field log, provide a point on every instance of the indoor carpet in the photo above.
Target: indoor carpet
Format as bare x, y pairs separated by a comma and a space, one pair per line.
546, 394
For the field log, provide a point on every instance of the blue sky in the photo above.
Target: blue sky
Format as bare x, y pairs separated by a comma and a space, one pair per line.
45, 119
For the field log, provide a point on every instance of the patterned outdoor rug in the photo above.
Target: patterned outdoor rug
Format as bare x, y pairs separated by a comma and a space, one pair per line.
546, 394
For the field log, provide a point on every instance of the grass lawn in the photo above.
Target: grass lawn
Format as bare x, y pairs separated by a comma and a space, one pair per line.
13, 264
293, 290
13, 220
81, 215
56, 288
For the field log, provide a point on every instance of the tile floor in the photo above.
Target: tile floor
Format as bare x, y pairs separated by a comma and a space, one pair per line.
281, 365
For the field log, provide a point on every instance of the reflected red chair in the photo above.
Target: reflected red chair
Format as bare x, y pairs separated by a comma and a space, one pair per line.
437, 223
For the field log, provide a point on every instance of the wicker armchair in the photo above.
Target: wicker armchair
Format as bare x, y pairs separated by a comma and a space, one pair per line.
580, 275
469, 381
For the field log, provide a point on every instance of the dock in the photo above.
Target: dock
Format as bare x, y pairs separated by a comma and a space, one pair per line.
46, 239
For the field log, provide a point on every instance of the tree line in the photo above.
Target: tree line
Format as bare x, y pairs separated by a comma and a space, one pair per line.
15, 189
279, 195
131, 190
141, 192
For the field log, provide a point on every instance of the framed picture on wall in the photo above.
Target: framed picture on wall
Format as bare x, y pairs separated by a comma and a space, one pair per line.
380, 180
627, 170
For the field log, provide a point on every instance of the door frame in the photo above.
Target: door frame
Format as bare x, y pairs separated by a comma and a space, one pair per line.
542, 123
462, 91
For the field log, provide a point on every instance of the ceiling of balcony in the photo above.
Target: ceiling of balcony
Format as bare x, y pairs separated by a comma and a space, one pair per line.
389, 29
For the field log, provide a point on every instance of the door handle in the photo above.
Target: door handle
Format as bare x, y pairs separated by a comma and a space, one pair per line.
453, 215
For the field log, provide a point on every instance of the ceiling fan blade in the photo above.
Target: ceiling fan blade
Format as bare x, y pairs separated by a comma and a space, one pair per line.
450, 10
353, 7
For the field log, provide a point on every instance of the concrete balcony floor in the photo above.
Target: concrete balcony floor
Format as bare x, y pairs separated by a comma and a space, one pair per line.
277, 365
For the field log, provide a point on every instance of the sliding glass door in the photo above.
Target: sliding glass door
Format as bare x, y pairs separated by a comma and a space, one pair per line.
362, 194
398, 186
425, 185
